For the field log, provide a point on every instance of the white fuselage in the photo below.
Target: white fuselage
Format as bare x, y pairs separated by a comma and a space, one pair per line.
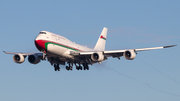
57, 45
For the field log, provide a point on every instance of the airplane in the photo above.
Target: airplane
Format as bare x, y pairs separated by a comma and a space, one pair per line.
59, 50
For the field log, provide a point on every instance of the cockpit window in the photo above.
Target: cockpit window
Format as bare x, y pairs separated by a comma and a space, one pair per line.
42, 33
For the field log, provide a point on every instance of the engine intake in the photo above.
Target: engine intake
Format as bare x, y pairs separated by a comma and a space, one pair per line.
97, 56
18, 58
129, 54
34, 59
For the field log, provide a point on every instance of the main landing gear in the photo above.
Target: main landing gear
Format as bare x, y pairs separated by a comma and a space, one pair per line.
69, 67
56, 67
85, 65
79, 67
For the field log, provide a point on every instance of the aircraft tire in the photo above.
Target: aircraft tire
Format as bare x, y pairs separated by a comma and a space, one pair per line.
80, 67
70, 68
67, 68
77, 67
55, 67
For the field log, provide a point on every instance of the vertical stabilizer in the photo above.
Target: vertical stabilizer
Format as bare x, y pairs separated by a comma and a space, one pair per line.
100, 45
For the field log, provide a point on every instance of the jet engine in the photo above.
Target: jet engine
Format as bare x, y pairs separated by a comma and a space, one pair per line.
97, 56
19, 58
129, 54
34, 59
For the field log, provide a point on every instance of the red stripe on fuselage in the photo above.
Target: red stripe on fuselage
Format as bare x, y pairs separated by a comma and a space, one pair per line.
40, 44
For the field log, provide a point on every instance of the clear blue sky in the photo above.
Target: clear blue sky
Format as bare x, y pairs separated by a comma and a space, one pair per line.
151, 76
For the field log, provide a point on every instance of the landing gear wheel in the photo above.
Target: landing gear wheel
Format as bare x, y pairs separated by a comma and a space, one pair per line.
70, 68
56, 67
80, 67
67, 68
85, 65
77, 67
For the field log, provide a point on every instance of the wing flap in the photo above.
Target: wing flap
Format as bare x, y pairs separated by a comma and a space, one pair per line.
81, 53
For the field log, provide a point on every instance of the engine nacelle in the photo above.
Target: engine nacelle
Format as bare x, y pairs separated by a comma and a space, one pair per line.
34, 59
18, 58
129, 54
97, 56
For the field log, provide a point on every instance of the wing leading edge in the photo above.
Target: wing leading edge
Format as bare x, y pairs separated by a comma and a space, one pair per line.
25, 54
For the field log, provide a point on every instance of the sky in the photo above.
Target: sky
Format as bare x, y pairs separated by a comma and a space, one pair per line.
151, 76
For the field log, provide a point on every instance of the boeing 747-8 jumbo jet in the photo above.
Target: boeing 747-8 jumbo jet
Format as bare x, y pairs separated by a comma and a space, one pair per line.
58, 50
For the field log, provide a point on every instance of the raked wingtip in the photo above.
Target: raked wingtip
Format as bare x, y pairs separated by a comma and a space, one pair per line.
169, 46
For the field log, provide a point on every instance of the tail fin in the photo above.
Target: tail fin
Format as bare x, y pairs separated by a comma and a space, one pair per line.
100, 45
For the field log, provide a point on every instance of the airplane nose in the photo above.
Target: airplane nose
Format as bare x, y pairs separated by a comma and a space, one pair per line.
40, 44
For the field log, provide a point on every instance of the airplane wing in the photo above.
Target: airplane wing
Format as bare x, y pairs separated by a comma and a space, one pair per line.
117, 53
25, 54
33, 58
89, 57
